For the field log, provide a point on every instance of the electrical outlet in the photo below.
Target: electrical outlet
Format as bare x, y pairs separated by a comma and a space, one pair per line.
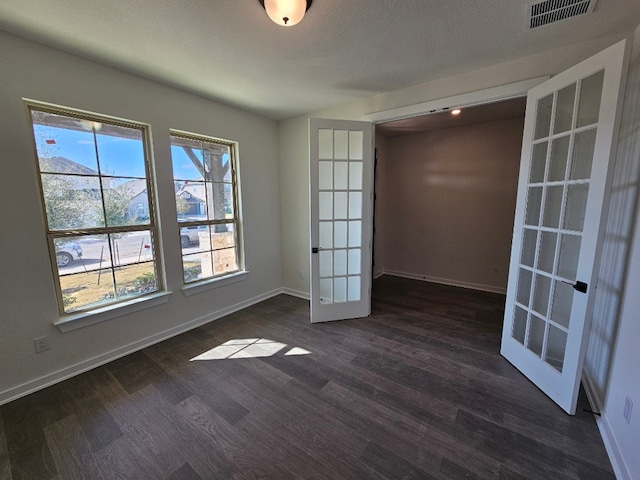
301, 275
496, 270
41, 344
628, 407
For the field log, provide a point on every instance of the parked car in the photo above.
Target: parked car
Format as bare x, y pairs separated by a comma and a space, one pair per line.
67, 252
189, 235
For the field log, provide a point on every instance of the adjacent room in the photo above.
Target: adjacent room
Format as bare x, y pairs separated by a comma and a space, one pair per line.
319, 239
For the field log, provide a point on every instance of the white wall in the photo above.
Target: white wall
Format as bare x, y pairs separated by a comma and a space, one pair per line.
450, 202
613, 359
27, 297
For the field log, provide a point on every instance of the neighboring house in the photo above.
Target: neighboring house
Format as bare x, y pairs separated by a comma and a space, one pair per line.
194, 197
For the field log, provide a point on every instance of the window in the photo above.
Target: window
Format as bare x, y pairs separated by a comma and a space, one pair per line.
98, 203
204, 173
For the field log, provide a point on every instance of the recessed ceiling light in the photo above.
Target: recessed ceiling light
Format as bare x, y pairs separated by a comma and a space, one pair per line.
456, 111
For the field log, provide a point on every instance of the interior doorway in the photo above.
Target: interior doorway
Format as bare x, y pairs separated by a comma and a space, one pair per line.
446, 188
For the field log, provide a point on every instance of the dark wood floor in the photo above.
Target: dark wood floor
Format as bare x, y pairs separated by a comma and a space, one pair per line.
417, 390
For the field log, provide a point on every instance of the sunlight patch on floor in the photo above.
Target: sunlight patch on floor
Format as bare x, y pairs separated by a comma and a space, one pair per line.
248, 348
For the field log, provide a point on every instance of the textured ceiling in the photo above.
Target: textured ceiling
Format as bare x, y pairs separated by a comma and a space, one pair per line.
230, 51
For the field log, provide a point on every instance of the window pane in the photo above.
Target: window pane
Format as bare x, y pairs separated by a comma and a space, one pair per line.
135, 280
340, 262
326, 235
547, 254
556, 346
534, 200
341, 145
524, 287
582, 157
356, 144
120, 151
224, 261
341, 175
86, 289
558, 161
590, 97
577, 196
564, 109
63, 144
123, 199
72, 202
543, 117
325, 144
541, 294
519, 328
353, 289
538, 162
529, 242
340, 237
536, 334
325, 175
552, 206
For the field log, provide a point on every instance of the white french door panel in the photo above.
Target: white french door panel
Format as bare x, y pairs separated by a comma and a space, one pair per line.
341, 191
568, 140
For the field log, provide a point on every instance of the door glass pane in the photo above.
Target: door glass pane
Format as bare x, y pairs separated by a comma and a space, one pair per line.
325, 144
564, 109
547, 253
541, 294
590, 95
529, 240
326, 235
534, 200
538, 162
562, 299
355, 175
325, 175
340, 234
355, 233
556, 345
356, 143
552, 207
519, 325
326, 263
577, 196
524, 287
340, 289
326, 290
543, 117
353, 289
582, 158
569, 255
340, 262
341, 145
536, 334
340, 205
341, 175
354, 261
558, 161
325, 205
355, 204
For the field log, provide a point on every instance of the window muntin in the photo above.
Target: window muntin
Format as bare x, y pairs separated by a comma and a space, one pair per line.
94, 175
204, 173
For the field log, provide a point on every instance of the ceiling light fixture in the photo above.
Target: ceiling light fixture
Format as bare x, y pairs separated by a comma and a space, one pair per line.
286, 13
456, 111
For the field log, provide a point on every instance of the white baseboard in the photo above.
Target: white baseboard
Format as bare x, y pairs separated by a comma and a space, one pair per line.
296, 293
378, 274
606, 432
445, 281
73, 370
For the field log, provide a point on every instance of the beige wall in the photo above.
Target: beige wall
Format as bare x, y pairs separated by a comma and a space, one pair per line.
27, 295
449, 203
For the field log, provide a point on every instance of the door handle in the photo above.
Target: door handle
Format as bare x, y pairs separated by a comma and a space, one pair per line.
578, 286
316, 249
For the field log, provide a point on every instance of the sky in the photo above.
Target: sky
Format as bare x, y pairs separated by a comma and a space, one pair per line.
121, 157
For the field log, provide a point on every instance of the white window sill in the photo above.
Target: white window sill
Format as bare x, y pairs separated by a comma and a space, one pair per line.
75, 321
206, 285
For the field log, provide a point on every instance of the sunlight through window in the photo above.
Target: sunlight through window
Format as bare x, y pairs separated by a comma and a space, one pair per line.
249, 348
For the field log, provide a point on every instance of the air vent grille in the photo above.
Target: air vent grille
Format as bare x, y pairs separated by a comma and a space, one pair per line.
550, 11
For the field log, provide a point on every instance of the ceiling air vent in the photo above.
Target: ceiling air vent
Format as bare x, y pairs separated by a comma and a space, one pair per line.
550, 11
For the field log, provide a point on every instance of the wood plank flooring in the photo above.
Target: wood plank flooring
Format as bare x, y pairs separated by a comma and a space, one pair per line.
417, 390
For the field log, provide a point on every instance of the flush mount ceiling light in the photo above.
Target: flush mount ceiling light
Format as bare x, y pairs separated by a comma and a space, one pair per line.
456, 111
286, 12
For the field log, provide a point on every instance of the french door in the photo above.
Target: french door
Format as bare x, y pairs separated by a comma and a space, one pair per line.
341, 189
568, 136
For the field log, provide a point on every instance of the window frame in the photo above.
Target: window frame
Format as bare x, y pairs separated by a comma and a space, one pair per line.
54, 235
236, 275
